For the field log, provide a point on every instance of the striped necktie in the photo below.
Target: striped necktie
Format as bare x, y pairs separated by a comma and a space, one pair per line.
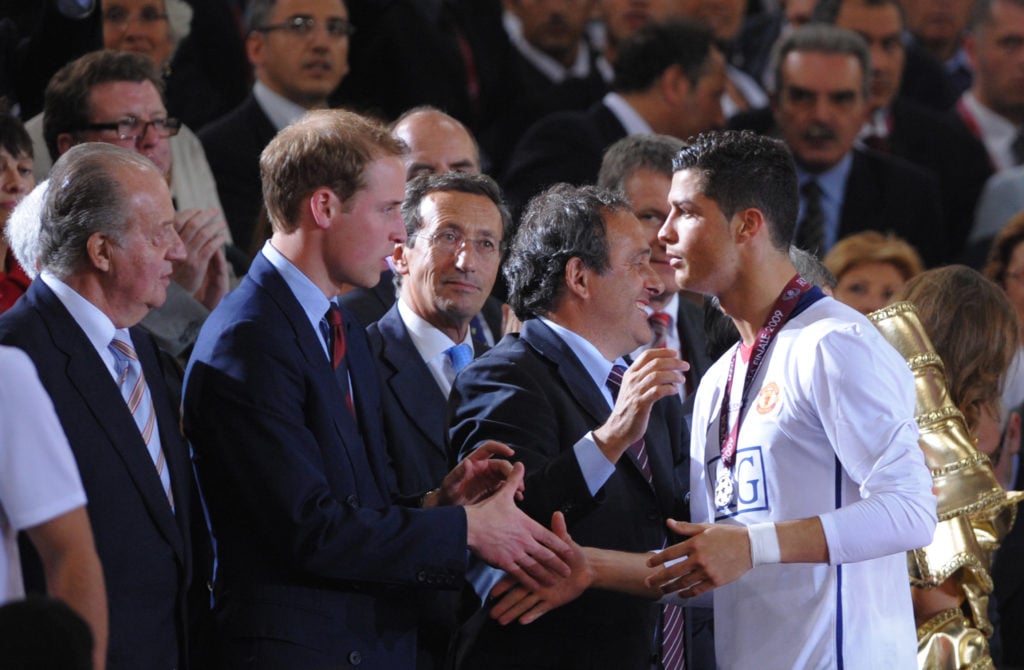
671, 615
136, 395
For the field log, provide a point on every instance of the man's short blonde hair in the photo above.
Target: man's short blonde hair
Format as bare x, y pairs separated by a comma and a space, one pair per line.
325, 148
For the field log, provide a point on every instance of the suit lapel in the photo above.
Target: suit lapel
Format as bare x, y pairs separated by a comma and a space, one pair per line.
92, 381
308, 342
862, 197
410, 380
578, 382
366, 390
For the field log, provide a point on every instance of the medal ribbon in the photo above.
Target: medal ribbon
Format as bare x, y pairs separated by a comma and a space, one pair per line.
777, 317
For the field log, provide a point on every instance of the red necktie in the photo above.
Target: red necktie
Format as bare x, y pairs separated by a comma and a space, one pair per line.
337, 347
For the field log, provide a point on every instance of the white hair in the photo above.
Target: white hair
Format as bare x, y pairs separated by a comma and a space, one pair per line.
22, 229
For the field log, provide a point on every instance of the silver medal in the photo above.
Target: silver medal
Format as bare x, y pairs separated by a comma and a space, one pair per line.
725, 489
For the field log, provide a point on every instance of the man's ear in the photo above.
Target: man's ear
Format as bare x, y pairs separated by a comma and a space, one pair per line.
254, 48
324, 205
99, 247
748, 223
398, 259
577, 277
674, 85
64, 142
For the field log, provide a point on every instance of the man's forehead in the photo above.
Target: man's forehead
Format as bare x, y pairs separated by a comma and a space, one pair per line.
284, 8
689, 181
125, 94
821, 70
462, 209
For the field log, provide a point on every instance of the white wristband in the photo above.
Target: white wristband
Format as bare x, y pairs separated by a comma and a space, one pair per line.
764, 544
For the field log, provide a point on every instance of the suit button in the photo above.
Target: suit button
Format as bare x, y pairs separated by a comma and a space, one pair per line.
566, 508
352, 500
653, 516
355, 658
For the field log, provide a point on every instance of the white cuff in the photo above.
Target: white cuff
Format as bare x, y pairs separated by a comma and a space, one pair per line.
764, 544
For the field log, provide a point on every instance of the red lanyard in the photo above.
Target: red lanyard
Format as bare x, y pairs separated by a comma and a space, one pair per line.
780, 313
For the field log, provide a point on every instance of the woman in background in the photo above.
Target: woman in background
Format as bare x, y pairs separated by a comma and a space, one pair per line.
870, 267
16, 180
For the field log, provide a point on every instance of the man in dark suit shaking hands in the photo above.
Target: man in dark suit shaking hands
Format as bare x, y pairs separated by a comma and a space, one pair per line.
318, 559
604, 445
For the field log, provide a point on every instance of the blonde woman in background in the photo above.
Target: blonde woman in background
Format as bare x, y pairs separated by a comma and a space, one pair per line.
870, 267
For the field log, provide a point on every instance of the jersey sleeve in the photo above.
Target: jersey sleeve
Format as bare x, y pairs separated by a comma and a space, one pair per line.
39, 478
864, 393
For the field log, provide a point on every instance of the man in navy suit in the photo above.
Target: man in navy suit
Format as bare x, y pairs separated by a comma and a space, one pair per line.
612, 460
455, 226
820, 104
107, 243
318, 559
299, 54
669, 79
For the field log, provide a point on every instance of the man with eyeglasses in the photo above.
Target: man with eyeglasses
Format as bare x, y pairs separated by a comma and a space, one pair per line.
299, 53
116, 98
455, 225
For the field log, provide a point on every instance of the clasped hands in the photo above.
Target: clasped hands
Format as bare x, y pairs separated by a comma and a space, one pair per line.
713, 555
487, 486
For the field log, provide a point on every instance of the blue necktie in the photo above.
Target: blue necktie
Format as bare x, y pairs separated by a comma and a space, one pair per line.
460, 355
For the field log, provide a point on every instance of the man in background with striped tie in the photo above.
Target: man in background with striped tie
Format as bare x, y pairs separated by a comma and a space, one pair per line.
107, 245
604, 445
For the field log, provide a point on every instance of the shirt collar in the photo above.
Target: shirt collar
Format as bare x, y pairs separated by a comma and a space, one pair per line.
627, 116
832, 181
280, 110
551, 68
596, 365
96, 325
429, 341
312, 300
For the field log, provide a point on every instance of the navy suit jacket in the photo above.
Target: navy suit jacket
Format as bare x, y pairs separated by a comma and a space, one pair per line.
532, 392
145, 549
233, 144
690, 324
561, 147
414, 407
415, 434
889, 194
885, 193
316, 562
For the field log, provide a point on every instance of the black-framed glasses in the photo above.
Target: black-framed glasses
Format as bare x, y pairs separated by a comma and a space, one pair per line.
451, 241
303, 26
132, 128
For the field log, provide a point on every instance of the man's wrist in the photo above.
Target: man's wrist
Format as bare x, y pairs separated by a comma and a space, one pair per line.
764, 544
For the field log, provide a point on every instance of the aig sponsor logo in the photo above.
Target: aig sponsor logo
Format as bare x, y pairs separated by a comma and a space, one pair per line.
749, 478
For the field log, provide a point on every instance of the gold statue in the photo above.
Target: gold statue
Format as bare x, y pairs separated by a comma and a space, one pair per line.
974, 511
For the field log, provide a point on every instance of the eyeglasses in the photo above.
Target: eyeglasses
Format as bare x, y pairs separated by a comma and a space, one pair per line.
450, 242
132, 128
303, 26
119, 16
